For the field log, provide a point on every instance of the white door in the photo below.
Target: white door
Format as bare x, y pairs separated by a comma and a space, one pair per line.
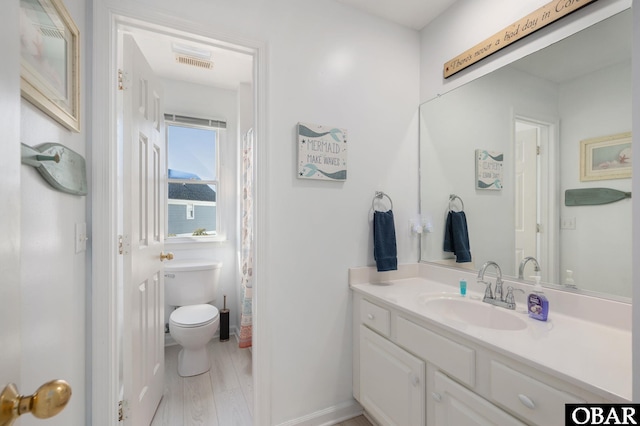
143, 232
526, 189
10, 299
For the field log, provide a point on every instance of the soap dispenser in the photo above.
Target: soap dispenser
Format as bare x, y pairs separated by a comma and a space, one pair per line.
538, 305
569, 282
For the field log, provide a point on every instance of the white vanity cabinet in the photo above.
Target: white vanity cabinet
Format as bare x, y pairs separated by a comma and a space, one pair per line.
453, 404
410, 371
391, 381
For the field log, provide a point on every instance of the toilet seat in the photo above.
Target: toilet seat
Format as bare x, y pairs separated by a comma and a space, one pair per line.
194, 315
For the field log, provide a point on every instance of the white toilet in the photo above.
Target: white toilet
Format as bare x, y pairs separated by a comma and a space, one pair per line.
190, 285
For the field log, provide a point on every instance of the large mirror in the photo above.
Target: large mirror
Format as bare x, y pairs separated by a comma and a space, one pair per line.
508, 145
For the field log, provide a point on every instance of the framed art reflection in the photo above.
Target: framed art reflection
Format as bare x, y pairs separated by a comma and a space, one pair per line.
604, 158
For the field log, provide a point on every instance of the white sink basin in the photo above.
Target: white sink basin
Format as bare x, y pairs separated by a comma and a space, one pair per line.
473, 312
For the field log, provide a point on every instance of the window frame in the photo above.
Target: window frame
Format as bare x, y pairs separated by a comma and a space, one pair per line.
205, 124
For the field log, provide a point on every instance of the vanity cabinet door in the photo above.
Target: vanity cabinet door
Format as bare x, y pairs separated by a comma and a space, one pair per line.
457, 406
391, 381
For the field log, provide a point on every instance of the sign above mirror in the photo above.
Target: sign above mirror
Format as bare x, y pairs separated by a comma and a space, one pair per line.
531, 23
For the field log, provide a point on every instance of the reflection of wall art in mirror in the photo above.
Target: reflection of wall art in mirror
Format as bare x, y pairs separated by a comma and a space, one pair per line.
608, 157
50, 64
489, 169
322, 152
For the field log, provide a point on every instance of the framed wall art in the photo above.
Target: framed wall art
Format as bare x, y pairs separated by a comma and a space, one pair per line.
489, 169
607, 157
322, 152
50, 60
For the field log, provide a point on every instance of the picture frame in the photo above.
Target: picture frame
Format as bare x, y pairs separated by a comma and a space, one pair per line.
50, 60
489, 170
322, 152
606, 157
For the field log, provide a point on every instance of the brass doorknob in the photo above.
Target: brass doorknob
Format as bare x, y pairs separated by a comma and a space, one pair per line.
48, 401
168, 256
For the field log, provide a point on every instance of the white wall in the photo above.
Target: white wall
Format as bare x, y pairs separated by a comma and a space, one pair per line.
10, 299
596, 105
54, 284
327, 64
199, 101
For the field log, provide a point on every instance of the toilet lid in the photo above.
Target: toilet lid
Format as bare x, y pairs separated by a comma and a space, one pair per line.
193, 315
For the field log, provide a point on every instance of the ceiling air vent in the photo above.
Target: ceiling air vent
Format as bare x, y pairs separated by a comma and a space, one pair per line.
194, 62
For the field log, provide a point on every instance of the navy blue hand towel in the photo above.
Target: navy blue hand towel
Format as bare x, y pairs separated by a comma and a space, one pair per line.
384, 241
456, 236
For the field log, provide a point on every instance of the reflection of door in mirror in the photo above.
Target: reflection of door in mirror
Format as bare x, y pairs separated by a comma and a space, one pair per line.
526, 194
535, 177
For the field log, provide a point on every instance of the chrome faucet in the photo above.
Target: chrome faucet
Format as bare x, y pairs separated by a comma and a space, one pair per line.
487, 293
523, 263
497, 297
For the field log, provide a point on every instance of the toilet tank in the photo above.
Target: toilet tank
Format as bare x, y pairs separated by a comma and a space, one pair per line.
191, 281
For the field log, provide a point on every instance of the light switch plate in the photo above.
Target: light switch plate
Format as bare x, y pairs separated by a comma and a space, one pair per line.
81, 237
568, 223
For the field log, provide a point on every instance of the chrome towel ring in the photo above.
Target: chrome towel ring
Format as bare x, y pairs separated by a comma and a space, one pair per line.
452, 198
379, 195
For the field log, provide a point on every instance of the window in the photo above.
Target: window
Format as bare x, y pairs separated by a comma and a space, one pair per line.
193, 176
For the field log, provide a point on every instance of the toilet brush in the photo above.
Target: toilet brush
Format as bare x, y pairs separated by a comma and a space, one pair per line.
224, 322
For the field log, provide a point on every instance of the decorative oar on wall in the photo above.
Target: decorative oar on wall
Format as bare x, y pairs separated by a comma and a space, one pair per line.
61, 167
593, 196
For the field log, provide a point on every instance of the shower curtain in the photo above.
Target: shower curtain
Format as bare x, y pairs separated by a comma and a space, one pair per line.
246, 243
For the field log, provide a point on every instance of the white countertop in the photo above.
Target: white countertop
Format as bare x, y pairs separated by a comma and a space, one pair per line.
594, 356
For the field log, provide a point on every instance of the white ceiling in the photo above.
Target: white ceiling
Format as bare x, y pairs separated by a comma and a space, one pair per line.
232, 68
409, 13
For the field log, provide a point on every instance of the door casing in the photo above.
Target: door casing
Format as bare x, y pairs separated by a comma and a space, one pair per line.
105, 209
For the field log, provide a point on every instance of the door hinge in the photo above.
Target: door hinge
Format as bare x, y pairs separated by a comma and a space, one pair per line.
122, 408
120, 79
123, 244
537, 149
538, 228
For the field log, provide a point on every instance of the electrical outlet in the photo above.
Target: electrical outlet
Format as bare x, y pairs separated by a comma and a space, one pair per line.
568, 223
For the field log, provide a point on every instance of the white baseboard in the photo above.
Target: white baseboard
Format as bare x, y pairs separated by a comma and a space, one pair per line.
329, 416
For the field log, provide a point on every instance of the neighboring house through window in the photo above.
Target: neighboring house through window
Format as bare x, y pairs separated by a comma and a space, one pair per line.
193, 146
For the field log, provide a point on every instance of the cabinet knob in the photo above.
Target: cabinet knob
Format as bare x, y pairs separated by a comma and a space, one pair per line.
415, 380
371, 316
436, 396
526, 401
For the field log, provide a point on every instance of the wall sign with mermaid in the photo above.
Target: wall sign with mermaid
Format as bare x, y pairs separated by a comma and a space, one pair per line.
322, 152
489, 169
